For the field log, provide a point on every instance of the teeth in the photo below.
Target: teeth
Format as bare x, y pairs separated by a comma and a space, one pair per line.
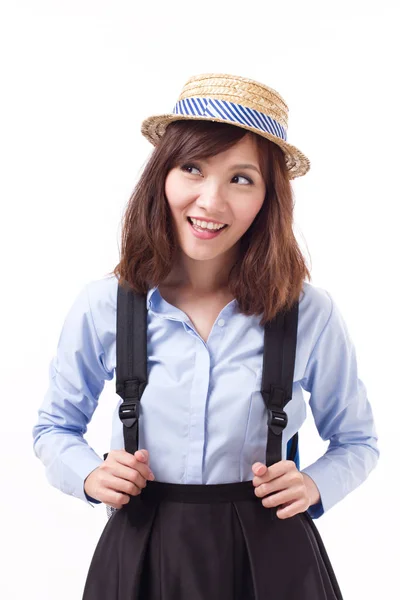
205, 224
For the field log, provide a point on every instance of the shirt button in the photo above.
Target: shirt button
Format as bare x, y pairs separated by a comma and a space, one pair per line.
221, 322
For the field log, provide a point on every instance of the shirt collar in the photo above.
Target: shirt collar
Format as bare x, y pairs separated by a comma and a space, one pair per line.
153, 297
157, 304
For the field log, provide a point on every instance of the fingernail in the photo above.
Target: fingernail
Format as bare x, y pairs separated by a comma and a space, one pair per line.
151, 476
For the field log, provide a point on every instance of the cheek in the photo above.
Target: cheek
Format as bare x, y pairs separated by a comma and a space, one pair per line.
175, 194
245, 219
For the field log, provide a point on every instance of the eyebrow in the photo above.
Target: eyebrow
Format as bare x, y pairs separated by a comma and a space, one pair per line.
240, 166
246, 166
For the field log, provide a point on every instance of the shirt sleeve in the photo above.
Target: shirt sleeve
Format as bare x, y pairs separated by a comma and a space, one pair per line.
77, 375
342, 414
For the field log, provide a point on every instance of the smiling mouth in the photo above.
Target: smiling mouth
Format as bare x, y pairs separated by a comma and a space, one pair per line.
210, 227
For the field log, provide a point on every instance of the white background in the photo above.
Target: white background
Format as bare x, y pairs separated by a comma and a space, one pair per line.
77, 79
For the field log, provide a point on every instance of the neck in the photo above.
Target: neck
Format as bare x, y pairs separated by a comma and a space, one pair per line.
201, 277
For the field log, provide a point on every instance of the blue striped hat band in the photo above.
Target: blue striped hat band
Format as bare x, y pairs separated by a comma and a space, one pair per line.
231, 112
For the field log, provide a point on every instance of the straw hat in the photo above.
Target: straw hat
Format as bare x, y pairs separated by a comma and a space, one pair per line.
236, 100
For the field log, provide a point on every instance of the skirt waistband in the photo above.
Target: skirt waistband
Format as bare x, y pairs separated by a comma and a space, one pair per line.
198, 493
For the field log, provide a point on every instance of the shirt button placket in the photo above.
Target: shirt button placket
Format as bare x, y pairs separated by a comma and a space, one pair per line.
198, 402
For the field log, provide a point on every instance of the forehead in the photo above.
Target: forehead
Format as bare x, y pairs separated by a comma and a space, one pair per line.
245, 150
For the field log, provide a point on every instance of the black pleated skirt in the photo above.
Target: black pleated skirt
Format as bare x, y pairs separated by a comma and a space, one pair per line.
208, 542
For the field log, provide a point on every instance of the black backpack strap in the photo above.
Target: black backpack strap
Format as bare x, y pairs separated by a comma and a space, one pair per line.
280, 338
131, 368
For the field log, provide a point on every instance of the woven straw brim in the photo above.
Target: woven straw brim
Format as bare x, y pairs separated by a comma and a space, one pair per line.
153, 128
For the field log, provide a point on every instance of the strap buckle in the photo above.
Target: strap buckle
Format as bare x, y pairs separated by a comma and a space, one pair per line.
129, 412
277, 420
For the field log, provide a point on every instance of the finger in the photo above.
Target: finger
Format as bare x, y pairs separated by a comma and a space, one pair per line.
281, 468
126, 457
142, 455
145, 471
132, 475
259, 469
259, 480
123, 486
279, 482
128, 473
133, 461
115, 499
281, 497
264, 489
284, 471
123, 457
290, 510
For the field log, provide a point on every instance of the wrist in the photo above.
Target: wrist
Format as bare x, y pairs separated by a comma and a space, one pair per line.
312, 489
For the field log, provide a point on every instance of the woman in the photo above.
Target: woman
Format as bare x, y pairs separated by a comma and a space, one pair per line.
208, 239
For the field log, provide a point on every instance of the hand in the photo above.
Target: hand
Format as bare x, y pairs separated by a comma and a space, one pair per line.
290, 488
120, 476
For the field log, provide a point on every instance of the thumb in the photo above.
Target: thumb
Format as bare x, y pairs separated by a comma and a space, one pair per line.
259, 469
142, 455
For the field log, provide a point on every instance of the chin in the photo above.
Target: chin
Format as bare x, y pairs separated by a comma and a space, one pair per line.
203, 250
199, 255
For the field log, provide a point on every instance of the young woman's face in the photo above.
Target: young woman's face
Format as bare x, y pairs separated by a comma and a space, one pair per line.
226, 189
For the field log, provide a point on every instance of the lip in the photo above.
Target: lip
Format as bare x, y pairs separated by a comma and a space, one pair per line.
206, 220
206, 234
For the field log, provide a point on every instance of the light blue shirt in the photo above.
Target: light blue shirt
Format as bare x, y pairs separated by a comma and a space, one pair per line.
203, 419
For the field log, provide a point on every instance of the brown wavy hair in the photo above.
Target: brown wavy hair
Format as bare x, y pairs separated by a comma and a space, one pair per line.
268, 276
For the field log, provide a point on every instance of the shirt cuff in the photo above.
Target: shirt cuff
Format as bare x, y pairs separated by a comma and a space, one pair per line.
91, 500
316, 510
74, 478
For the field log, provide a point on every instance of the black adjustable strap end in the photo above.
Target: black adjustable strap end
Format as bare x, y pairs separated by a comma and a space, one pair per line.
142, 385
129, 412
275, 398
131, 388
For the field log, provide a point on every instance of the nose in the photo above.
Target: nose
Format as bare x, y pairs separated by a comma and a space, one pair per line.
212, 200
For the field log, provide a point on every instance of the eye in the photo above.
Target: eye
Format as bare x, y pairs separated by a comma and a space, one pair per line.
250, 181
186, 167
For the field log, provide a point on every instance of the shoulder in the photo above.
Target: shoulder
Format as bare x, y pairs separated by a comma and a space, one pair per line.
321, 320
316, 302
315, 312
102, 294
